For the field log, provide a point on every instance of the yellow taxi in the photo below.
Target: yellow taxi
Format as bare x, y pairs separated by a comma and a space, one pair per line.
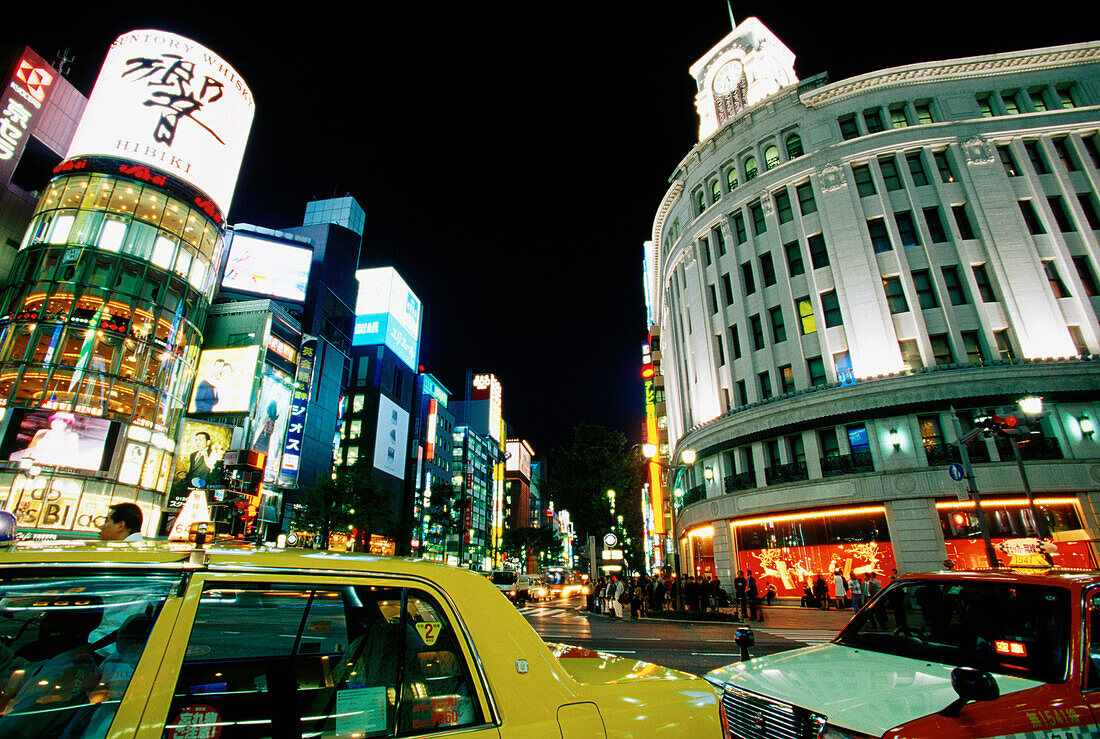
150, 639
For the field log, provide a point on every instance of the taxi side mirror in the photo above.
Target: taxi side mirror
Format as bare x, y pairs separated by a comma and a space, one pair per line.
971, 685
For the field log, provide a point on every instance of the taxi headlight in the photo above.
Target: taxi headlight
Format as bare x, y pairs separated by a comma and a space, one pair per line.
835, 732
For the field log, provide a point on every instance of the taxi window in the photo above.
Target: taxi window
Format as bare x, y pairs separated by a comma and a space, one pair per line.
68, 648
1007, 628
306, 661
1092, 671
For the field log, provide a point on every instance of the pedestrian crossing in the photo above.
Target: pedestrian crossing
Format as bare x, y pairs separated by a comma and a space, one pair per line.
806, 636
543, 612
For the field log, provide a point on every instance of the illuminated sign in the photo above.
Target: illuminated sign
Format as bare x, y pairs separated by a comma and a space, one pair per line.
283, 349
225, 380
391, 438
296, 418
164, 101
20, 103
487, 387
267, 267
656, 486
387, 312
433, 422
434, 390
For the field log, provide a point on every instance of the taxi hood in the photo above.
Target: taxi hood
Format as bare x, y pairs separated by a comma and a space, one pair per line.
590, 667
854, 689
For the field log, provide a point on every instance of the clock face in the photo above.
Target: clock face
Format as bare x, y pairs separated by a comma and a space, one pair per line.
726, 78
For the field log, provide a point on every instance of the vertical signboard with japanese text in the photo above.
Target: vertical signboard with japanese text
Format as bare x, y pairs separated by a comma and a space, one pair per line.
167, 102
296, 417
21, 101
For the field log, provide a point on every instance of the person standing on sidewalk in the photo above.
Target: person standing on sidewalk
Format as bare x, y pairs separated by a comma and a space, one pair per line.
841, 587
753, 597
739, 603
856, 588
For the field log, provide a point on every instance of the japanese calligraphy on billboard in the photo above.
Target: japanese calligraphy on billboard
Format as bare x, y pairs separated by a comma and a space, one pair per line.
20, 103
296, 417
267, 267
164, 101
387, 312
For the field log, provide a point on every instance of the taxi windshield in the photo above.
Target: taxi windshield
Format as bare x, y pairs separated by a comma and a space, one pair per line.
1007, 628
69, 644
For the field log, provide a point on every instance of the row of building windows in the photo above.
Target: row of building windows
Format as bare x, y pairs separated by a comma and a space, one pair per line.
1037, 99
888, 169
903, 114
847, 449
746, 169
880, 118
119, 216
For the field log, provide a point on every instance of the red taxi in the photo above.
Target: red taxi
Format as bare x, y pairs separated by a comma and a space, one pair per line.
945, 655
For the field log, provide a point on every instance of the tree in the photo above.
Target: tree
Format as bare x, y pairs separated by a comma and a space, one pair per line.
321, 509
599, 460
352, 499
529, 543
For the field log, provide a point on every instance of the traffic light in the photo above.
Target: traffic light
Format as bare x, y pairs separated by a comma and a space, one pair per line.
1010, 424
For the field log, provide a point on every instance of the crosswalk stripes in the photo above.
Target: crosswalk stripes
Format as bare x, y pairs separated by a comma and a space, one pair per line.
806, 636
545, 612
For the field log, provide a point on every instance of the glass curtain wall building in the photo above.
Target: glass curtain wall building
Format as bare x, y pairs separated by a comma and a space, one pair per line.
101, 324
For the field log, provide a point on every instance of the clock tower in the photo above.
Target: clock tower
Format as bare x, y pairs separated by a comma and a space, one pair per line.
745, 67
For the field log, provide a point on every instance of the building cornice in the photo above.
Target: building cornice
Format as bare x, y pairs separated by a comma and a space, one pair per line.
966, 68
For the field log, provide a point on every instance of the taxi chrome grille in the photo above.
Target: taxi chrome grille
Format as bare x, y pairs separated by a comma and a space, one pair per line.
752, 716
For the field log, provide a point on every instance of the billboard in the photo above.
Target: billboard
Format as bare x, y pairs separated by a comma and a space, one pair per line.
387, 312
267, 267
21, 102
59, 439
200, 462
225, 380
391, 438
518, 458
269, 421
164, 101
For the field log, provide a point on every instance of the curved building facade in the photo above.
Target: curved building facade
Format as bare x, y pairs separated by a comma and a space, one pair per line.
101, 324
844, 278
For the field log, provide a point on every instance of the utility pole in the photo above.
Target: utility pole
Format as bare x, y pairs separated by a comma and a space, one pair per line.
972, 486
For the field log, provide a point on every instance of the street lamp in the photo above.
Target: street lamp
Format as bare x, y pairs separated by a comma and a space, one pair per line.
1032, 406
687, 459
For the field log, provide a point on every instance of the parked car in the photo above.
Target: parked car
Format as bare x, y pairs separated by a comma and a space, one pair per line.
151, 639
945, 655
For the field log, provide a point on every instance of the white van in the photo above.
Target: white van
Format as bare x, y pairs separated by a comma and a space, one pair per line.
515, 585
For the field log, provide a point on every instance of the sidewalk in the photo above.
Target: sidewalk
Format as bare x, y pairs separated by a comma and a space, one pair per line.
775, 616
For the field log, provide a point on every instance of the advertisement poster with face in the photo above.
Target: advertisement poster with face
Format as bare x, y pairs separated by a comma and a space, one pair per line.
59, 439
269, 422
202, 448
225, 380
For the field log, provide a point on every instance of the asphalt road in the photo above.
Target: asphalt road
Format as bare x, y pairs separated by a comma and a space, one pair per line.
692, 647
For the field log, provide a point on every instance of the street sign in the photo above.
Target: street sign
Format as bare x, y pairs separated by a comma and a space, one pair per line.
955, 470
610, 540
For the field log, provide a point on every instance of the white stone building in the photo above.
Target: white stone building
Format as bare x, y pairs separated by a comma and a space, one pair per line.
840, 270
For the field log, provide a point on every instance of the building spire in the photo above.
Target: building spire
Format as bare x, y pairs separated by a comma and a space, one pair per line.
733, 23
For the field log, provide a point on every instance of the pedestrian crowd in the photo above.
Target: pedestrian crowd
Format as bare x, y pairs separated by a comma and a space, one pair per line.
841, 592
643, 595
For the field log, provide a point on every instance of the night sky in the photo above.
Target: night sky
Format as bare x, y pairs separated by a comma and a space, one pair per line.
511, 156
